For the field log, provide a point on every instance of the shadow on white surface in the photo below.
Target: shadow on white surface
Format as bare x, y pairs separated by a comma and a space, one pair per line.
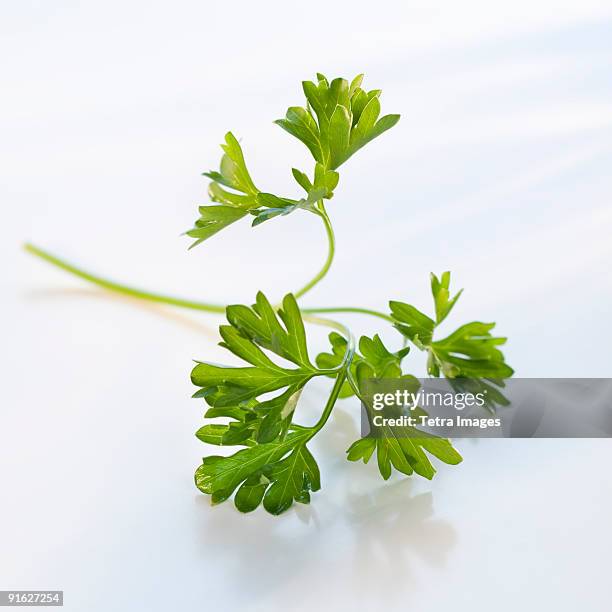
356, 527
168, 313
389, 528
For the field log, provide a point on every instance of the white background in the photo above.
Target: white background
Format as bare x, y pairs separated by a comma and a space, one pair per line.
499, 170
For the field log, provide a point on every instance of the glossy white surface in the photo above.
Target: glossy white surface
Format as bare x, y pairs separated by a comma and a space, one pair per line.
499, 171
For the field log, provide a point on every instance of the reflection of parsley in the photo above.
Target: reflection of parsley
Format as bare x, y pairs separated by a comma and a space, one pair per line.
259, 400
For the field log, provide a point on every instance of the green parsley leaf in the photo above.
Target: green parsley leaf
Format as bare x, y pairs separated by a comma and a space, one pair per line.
405, 453
442, 299
278, 473
384, 363
252, 329
292, 479
276, 468
234, 190
347, 118
233, 171
283, 206
233, 174
469, 352
412, 323
212, 220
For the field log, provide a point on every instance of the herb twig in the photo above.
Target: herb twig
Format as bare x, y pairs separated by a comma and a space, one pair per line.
331, 249
258, 401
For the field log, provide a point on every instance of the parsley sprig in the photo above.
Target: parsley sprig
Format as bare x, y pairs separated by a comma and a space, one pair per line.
259, 401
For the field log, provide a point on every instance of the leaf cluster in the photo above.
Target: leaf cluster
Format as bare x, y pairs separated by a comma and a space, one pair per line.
405, 453
338, 119
471, 351
257, 401
260, 400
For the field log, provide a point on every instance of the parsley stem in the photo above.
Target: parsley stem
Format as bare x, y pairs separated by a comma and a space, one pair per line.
164, 299
331, 248
368, 311
118, 287
174, 301
331, 401
341, 372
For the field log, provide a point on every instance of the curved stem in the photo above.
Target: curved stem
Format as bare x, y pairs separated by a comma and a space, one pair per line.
118, 287
331, 247
331, 401
368, 311
218, 308
343, 370
180, 302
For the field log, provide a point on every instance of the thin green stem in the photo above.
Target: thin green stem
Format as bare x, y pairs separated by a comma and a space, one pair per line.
368, 311
174, 301
341, 371
331, 248
331, 401
118, 287
218, 308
